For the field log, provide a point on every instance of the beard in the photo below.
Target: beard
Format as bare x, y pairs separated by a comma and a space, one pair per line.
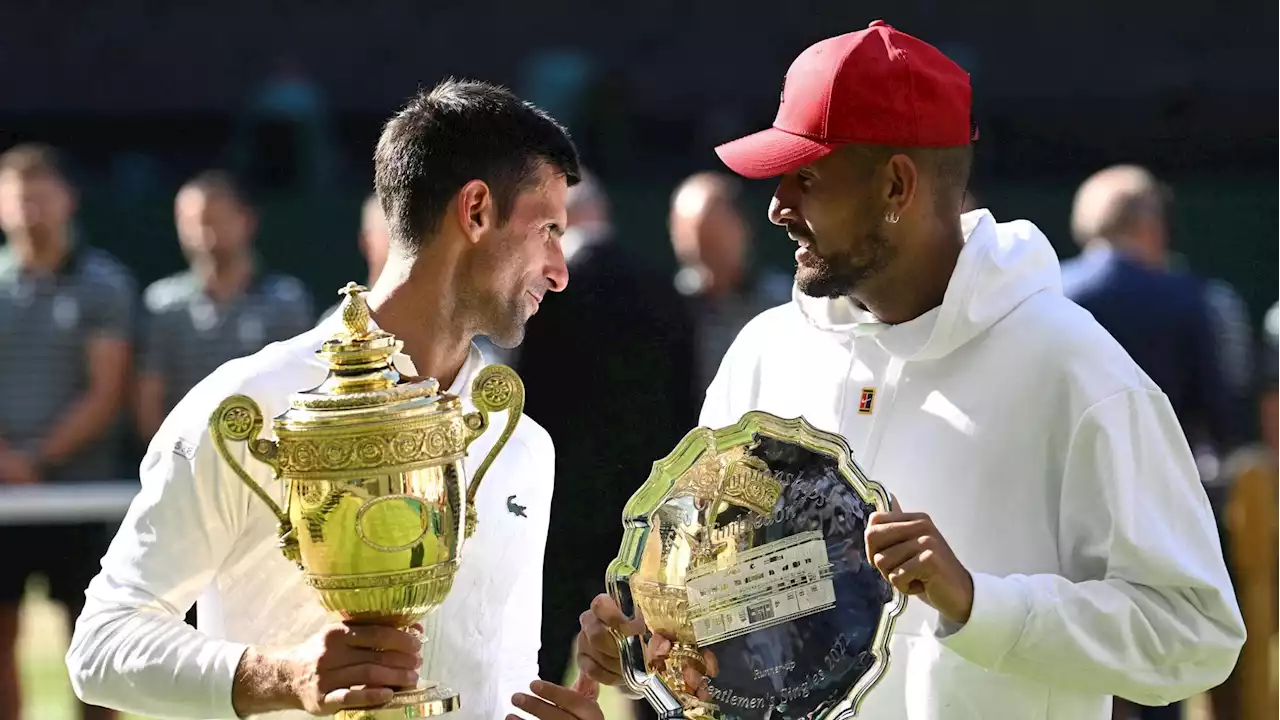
493, 294
506, 322
508, 333
838, 274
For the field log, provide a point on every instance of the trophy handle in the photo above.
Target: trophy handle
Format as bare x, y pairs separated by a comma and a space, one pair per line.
239, 419
495, 388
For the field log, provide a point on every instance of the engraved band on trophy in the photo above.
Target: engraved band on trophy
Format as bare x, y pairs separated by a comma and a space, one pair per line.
745, 547
376, 500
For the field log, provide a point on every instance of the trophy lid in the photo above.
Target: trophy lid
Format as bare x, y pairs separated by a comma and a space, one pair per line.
363, 383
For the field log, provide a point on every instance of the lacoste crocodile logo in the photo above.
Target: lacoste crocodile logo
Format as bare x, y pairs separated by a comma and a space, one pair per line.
514, 508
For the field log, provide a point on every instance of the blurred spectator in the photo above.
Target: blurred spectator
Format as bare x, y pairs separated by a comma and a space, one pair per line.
1160, 317
223, 307
1270, 379
712, 242
607, 366
66, 320
373, 241
1235, 345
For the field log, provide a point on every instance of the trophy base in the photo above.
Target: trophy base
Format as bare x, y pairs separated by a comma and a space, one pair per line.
424, 702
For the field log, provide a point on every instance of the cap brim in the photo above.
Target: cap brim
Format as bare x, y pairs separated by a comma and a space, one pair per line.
770, 153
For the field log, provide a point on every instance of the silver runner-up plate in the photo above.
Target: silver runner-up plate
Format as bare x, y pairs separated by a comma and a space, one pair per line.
745, 549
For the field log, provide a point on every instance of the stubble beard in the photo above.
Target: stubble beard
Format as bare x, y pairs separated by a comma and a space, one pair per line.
507, 324
838, 275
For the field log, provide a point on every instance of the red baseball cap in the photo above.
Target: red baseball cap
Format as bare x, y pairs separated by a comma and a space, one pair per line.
876, 86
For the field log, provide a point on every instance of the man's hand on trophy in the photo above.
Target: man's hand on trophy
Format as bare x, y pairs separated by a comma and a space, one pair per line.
556, 702
597, 649
344, 666
697, 677
598, 659
911, 553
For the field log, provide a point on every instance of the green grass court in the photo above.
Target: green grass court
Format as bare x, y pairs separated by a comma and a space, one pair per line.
47, 692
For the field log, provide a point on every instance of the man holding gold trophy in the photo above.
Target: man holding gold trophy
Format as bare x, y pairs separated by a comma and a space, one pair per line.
361, 510
1050, 545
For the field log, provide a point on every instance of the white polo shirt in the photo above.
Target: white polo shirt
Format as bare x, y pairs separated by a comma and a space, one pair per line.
196, 531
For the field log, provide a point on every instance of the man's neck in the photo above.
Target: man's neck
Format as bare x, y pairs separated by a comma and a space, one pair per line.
42, 256
224, 279
1133, 250
913, 286
418, 303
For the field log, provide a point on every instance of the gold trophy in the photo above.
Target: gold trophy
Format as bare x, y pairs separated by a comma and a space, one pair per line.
376, 502
745, 549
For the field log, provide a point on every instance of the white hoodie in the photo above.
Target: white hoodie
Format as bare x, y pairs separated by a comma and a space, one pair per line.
1049, 461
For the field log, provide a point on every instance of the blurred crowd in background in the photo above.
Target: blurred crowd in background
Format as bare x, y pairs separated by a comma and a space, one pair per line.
132, 268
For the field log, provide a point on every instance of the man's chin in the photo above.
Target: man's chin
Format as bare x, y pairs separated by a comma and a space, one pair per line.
823, 293
810, 281
820, 286
509, 340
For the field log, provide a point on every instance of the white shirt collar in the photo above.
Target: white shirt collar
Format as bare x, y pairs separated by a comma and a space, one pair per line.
461, 386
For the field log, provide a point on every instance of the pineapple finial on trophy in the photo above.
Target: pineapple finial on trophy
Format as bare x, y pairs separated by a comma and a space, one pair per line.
355, 311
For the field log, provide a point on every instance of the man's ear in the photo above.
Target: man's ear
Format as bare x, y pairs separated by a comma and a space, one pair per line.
475, 209
902, 179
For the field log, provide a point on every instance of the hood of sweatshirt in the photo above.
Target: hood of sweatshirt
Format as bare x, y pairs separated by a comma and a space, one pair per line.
1000, 266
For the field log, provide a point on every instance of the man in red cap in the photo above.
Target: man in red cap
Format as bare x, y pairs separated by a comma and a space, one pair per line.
1053, 536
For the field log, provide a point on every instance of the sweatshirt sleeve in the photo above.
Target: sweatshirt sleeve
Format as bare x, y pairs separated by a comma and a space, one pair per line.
727, 389
131, 649
1143, 609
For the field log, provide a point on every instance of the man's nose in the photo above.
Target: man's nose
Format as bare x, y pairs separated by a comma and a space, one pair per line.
782, 208
557, 272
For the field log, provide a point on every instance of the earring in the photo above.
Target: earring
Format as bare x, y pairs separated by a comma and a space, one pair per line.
891, 218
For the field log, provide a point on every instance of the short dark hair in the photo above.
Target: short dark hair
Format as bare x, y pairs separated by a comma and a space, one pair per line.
33, 159
459, 131
949, 166
222, 183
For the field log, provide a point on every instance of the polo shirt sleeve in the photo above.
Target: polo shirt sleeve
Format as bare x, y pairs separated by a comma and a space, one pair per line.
291, 303
113, 305
156, 354
131, 649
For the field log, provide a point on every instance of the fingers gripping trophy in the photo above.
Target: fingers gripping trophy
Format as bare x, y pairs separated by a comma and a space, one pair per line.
377, 506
